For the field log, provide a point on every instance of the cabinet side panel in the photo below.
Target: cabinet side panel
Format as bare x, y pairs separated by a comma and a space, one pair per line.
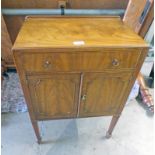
17, 59
144, 52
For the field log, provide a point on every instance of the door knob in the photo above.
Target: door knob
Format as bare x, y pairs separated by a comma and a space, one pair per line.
83, 97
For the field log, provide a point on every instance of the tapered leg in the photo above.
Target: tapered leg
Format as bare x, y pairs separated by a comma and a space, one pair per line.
36, 129
112, 125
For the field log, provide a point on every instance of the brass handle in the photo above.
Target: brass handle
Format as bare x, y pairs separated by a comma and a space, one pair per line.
83, 97
115, 62
47, 64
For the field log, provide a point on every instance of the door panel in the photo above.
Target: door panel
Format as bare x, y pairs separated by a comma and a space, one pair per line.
102, 93
55, 95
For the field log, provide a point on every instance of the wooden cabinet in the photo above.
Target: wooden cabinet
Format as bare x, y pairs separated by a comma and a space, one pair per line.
75, 67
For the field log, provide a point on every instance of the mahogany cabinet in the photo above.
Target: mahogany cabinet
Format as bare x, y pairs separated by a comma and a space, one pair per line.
76, 67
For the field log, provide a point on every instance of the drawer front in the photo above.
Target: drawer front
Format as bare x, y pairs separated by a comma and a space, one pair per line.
80, 61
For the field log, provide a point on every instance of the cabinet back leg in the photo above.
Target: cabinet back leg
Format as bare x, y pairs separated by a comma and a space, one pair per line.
112, 126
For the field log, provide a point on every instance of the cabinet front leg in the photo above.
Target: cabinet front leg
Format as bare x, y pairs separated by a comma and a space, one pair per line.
36, 130
112, 126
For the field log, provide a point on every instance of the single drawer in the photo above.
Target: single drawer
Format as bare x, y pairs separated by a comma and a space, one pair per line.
80, 61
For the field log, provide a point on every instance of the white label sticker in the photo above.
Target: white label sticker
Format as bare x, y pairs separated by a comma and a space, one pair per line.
78, 43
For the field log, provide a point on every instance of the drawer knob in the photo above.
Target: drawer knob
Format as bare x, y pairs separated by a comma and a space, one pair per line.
115, 62
47, 64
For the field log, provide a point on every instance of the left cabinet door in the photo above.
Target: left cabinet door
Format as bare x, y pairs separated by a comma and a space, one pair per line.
54, 95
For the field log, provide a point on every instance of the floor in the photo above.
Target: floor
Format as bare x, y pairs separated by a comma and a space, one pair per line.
12, 97
133, 135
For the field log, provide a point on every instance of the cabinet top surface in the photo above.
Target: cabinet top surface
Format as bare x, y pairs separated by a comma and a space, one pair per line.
75, 32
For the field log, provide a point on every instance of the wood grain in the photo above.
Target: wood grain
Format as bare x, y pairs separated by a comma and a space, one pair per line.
147, 22
6, 44
104, 93
54, 95
13, 24
53, 32
51, 61
133, 14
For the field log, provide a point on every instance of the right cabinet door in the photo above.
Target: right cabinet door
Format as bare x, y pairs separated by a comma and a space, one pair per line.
102, 93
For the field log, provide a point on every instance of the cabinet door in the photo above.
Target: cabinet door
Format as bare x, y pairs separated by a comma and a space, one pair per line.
55, 95
102, 93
